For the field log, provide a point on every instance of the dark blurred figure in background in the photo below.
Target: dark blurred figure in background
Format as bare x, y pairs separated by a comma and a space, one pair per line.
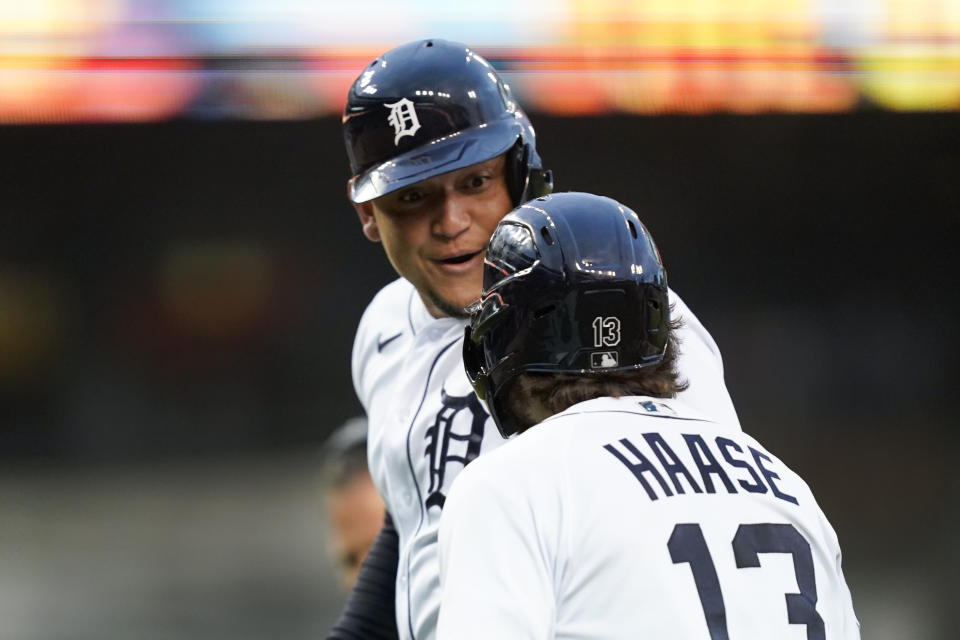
353, 508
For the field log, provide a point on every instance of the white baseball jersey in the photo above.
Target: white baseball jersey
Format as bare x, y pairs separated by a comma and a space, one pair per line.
638, 518
426, 424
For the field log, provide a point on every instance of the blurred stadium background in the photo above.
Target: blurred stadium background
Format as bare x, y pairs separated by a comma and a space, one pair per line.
180, 275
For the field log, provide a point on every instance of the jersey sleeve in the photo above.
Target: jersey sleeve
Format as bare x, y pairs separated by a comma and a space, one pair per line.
496, 574
701, 365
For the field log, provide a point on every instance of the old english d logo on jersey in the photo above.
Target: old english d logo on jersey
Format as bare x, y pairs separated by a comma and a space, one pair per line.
403, 119
455, 436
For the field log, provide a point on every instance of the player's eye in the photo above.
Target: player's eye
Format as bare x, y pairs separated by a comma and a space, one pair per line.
477, 181
411, 196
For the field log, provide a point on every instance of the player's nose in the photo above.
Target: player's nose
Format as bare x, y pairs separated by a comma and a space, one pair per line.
454, 217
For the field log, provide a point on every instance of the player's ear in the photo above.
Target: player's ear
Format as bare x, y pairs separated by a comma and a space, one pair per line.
367, 221
365, 213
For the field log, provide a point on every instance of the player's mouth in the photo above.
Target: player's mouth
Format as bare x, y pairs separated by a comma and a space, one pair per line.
460, 262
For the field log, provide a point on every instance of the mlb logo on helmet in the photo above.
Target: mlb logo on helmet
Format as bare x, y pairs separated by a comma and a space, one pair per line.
604, 360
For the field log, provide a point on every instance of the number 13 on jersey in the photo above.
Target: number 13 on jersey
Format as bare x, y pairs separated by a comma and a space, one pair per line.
687, 545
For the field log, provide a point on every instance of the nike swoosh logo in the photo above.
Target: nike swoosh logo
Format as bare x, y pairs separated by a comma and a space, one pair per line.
383, 343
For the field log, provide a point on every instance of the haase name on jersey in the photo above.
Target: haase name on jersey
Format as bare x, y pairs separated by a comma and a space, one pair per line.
664, 463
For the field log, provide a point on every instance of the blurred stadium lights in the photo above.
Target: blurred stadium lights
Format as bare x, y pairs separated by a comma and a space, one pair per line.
128, 60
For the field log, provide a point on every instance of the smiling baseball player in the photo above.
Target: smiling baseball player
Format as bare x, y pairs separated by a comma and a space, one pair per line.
619, 512
440, 151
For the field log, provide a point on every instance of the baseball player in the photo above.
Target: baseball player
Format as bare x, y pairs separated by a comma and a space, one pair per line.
440, 151
352, 504
619, 511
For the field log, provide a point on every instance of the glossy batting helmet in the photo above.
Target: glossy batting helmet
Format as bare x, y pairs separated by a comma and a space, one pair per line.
433, 106
572, 283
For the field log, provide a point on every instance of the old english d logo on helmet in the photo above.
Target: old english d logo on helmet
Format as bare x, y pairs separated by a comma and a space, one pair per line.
403, 119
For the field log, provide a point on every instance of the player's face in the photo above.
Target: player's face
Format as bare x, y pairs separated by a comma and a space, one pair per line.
435, 232
356, 515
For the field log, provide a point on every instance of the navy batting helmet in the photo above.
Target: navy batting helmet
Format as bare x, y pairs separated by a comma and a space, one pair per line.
433, 106
572, 283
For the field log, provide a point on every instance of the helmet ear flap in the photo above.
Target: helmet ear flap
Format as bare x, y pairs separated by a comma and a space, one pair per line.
516, 171
473, 360
523, 181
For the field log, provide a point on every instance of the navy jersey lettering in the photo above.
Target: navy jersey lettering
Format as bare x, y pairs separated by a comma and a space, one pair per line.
671, 463
771, 476
707, 464
639, 468
725, 445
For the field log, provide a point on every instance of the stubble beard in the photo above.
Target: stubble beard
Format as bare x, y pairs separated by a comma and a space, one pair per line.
448, 308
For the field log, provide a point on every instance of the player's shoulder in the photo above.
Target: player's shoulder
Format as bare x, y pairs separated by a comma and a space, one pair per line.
386, 324
528, 459
388, 316
486, 478
522, 460
504, 484
391, 306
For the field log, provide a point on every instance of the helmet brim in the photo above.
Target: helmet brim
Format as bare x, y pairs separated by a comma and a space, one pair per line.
461, 149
